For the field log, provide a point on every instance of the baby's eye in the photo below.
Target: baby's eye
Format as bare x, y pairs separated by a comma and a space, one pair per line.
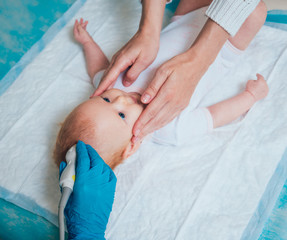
122, 115
106, 99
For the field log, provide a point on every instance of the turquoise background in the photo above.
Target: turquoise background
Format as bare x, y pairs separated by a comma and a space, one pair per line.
17, 223
22, 24
277, 16
276, 226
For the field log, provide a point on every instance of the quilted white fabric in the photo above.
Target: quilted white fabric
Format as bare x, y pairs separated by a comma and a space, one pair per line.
207, 190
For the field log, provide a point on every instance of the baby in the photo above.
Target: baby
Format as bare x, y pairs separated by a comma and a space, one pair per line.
106, 121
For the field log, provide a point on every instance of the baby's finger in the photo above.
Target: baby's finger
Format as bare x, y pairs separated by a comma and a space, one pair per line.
75, 27
85, 25
80, 28
76, 23
259, 76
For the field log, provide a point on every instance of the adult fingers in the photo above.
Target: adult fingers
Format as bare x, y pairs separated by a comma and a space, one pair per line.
111, 74
83, 159
153, 88
149, 113
61, 168
95, 93
161, 119
99, 168
95, 158
133, 73
113, 178
156, 103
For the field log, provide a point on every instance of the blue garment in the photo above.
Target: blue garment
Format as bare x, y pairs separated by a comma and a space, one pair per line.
89, 207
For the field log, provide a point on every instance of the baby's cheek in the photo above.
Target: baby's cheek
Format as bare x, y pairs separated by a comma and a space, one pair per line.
136, 114
133, 115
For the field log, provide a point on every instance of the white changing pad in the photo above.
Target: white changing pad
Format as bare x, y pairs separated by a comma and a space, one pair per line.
208, 190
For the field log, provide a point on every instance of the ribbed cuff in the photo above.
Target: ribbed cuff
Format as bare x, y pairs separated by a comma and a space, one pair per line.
231, 14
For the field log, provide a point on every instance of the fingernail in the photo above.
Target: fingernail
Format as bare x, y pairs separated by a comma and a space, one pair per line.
137, 132
145, 98
93, 94
126, 83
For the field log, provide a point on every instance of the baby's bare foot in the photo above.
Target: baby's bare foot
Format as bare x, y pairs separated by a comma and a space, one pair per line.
257, 88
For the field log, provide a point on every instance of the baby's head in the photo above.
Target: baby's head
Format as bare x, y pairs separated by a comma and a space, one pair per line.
105, 122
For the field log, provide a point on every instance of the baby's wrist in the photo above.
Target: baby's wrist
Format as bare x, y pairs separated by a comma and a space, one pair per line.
87, 43
250, 95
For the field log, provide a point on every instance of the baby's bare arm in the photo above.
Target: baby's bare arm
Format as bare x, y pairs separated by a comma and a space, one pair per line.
230, 109
95, 58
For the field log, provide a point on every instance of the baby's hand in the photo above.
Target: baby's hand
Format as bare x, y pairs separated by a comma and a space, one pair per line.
257, 88
80, 33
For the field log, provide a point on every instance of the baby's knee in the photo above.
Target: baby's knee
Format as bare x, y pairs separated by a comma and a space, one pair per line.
260, 12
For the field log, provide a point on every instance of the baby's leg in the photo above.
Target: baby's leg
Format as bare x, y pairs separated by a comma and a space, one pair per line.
230, 109
250, 27
95, 58
186, 6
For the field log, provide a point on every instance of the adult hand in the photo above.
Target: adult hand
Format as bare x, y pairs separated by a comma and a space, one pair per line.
174, 82
169, 92
140, 51
136, 55
89, 206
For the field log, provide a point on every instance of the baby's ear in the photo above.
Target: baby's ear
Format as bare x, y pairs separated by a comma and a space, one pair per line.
130, 149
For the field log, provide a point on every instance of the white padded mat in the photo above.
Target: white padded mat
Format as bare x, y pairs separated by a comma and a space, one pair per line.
208, 190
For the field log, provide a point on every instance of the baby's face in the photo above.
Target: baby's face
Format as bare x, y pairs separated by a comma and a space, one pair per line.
114, 114
121, 108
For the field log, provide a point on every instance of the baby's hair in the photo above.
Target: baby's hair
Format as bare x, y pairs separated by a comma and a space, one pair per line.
72, 130
75, 128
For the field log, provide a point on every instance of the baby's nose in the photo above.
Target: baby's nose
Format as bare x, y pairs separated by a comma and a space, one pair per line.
122, 100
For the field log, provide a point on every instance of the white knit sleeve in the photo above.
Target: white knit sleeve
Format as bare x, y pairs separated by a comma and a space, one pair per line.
231, 14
